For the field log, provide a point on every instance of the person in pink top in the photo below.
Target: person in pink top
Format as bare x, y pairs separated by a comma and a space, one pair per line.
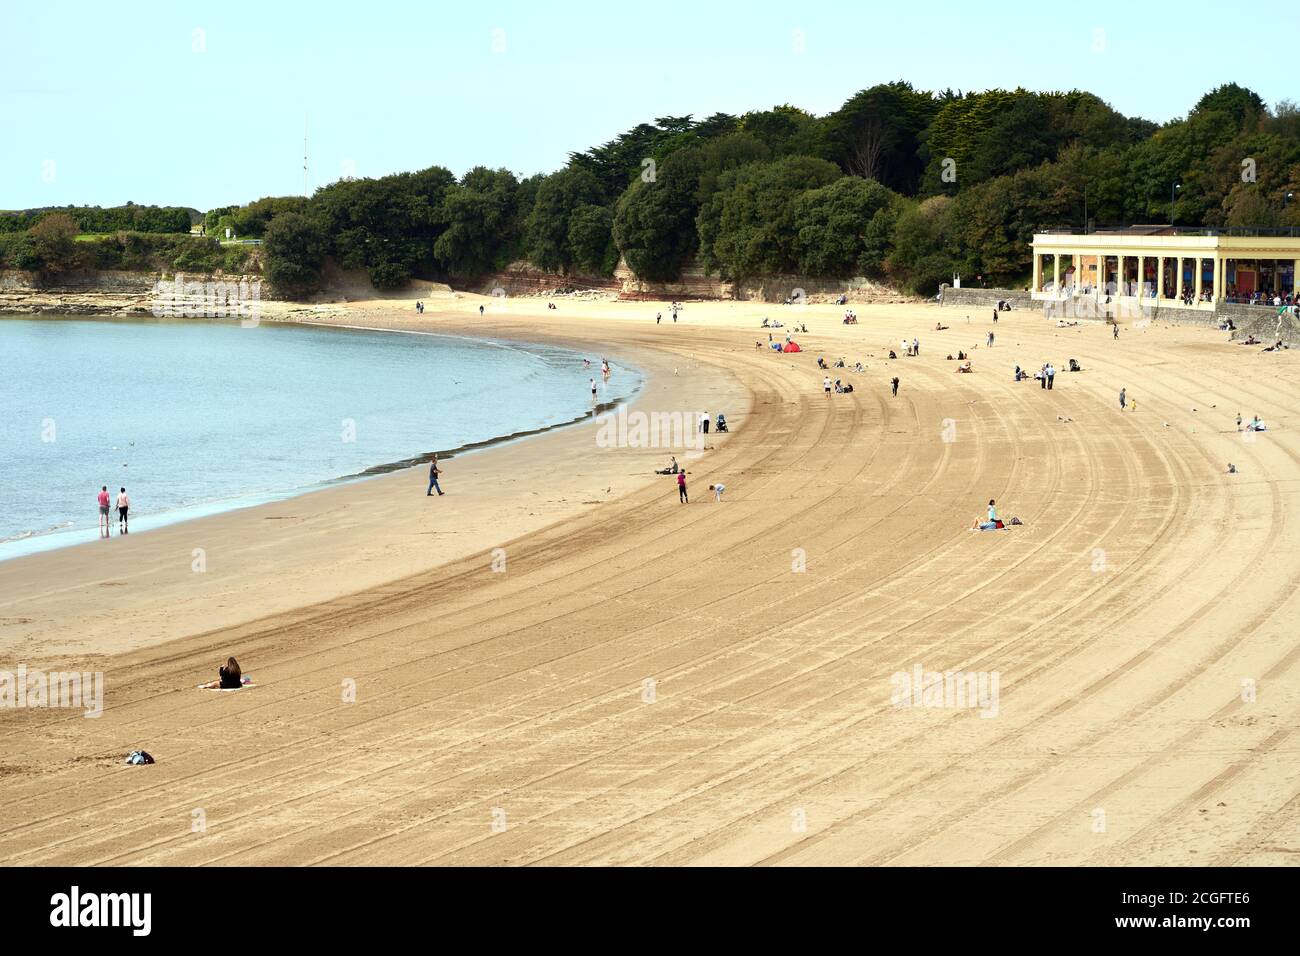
681, 487
105, 519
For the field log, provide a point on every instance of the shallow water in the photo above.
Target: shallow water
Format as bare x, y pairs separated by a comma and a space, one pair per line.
195, 417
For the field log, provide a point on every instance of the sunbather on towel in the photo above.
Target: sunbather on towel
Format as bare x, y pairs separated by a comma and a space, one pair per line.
229, 677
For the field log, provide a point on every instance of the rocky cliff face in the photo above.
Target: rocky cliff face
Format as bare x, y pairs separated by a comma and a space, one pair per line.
523, 279
131, 293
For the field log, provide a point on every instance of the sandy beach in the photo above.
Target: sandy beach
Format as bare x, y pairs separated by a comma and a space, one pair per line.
654, 683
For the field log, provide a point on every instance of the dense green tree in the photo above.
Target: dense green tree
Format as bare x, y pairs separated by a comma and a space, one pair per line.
54, 244
480, 222
831, 226
591, 240
296, 247
922, 256
787, 131
878, 133
547, 227
747, 228
654, 222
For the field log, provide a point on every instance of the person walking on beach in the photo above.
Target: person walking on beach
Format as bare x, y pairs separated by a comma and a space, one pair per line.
1050, 371
1114, 331
894, 385
123, 505
659, 317
105, 519
593, 391
826, 384
717, 491
990, 338
480, 311
1238, 421
1123, 400
704, 422
681, 487
434, 472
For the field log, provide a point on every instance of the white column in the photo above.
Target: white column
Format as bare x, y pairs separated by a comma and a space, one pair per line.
1295, 277
1160, 277
1178, 277
1038, 272
1196, 274
1056, 273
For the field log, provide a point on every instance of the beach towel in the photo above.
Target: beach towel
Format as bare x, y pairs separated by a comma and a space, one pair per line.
245, 682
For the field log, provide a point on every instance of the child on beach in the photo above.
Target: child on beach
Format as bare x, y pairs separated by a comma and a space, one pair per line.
123, 504
681, 488
717, 491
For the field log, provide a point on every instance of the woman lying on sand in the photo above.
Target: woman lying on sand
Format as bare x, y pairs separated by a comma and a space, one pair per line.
229, 677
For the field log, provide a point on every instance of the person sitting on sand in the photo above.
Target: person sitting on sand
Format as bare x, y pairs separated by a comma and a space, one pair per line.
1256, 425
229, 677
940, 327
965, 367
892, 355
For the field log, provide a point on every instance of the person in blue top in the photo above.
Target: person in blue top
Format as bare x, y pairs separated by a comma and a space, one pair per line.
434, 472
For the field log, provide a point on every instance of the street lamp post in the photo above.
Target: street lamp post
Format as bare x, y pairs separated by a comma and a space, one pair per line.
1173, 195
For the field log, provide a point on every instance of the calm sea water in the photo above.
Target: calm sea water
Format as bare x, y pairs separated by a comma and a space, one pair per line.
196, 417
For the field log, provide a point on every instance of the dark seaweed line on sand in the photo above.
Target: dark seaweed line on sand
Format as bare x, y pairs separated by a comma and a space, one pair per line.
477, 445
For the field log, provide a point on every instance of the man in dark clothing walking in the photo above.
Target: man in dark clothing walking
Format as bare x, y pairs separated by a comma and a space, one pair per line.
894, 385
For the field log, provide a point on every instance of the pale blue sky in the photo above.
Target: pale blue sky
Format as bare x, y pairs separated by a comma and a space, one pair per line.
104, 103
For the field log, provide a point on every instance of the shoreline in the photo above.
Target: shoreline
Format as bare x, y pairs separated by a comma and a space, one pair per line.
50, 539
144, 599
